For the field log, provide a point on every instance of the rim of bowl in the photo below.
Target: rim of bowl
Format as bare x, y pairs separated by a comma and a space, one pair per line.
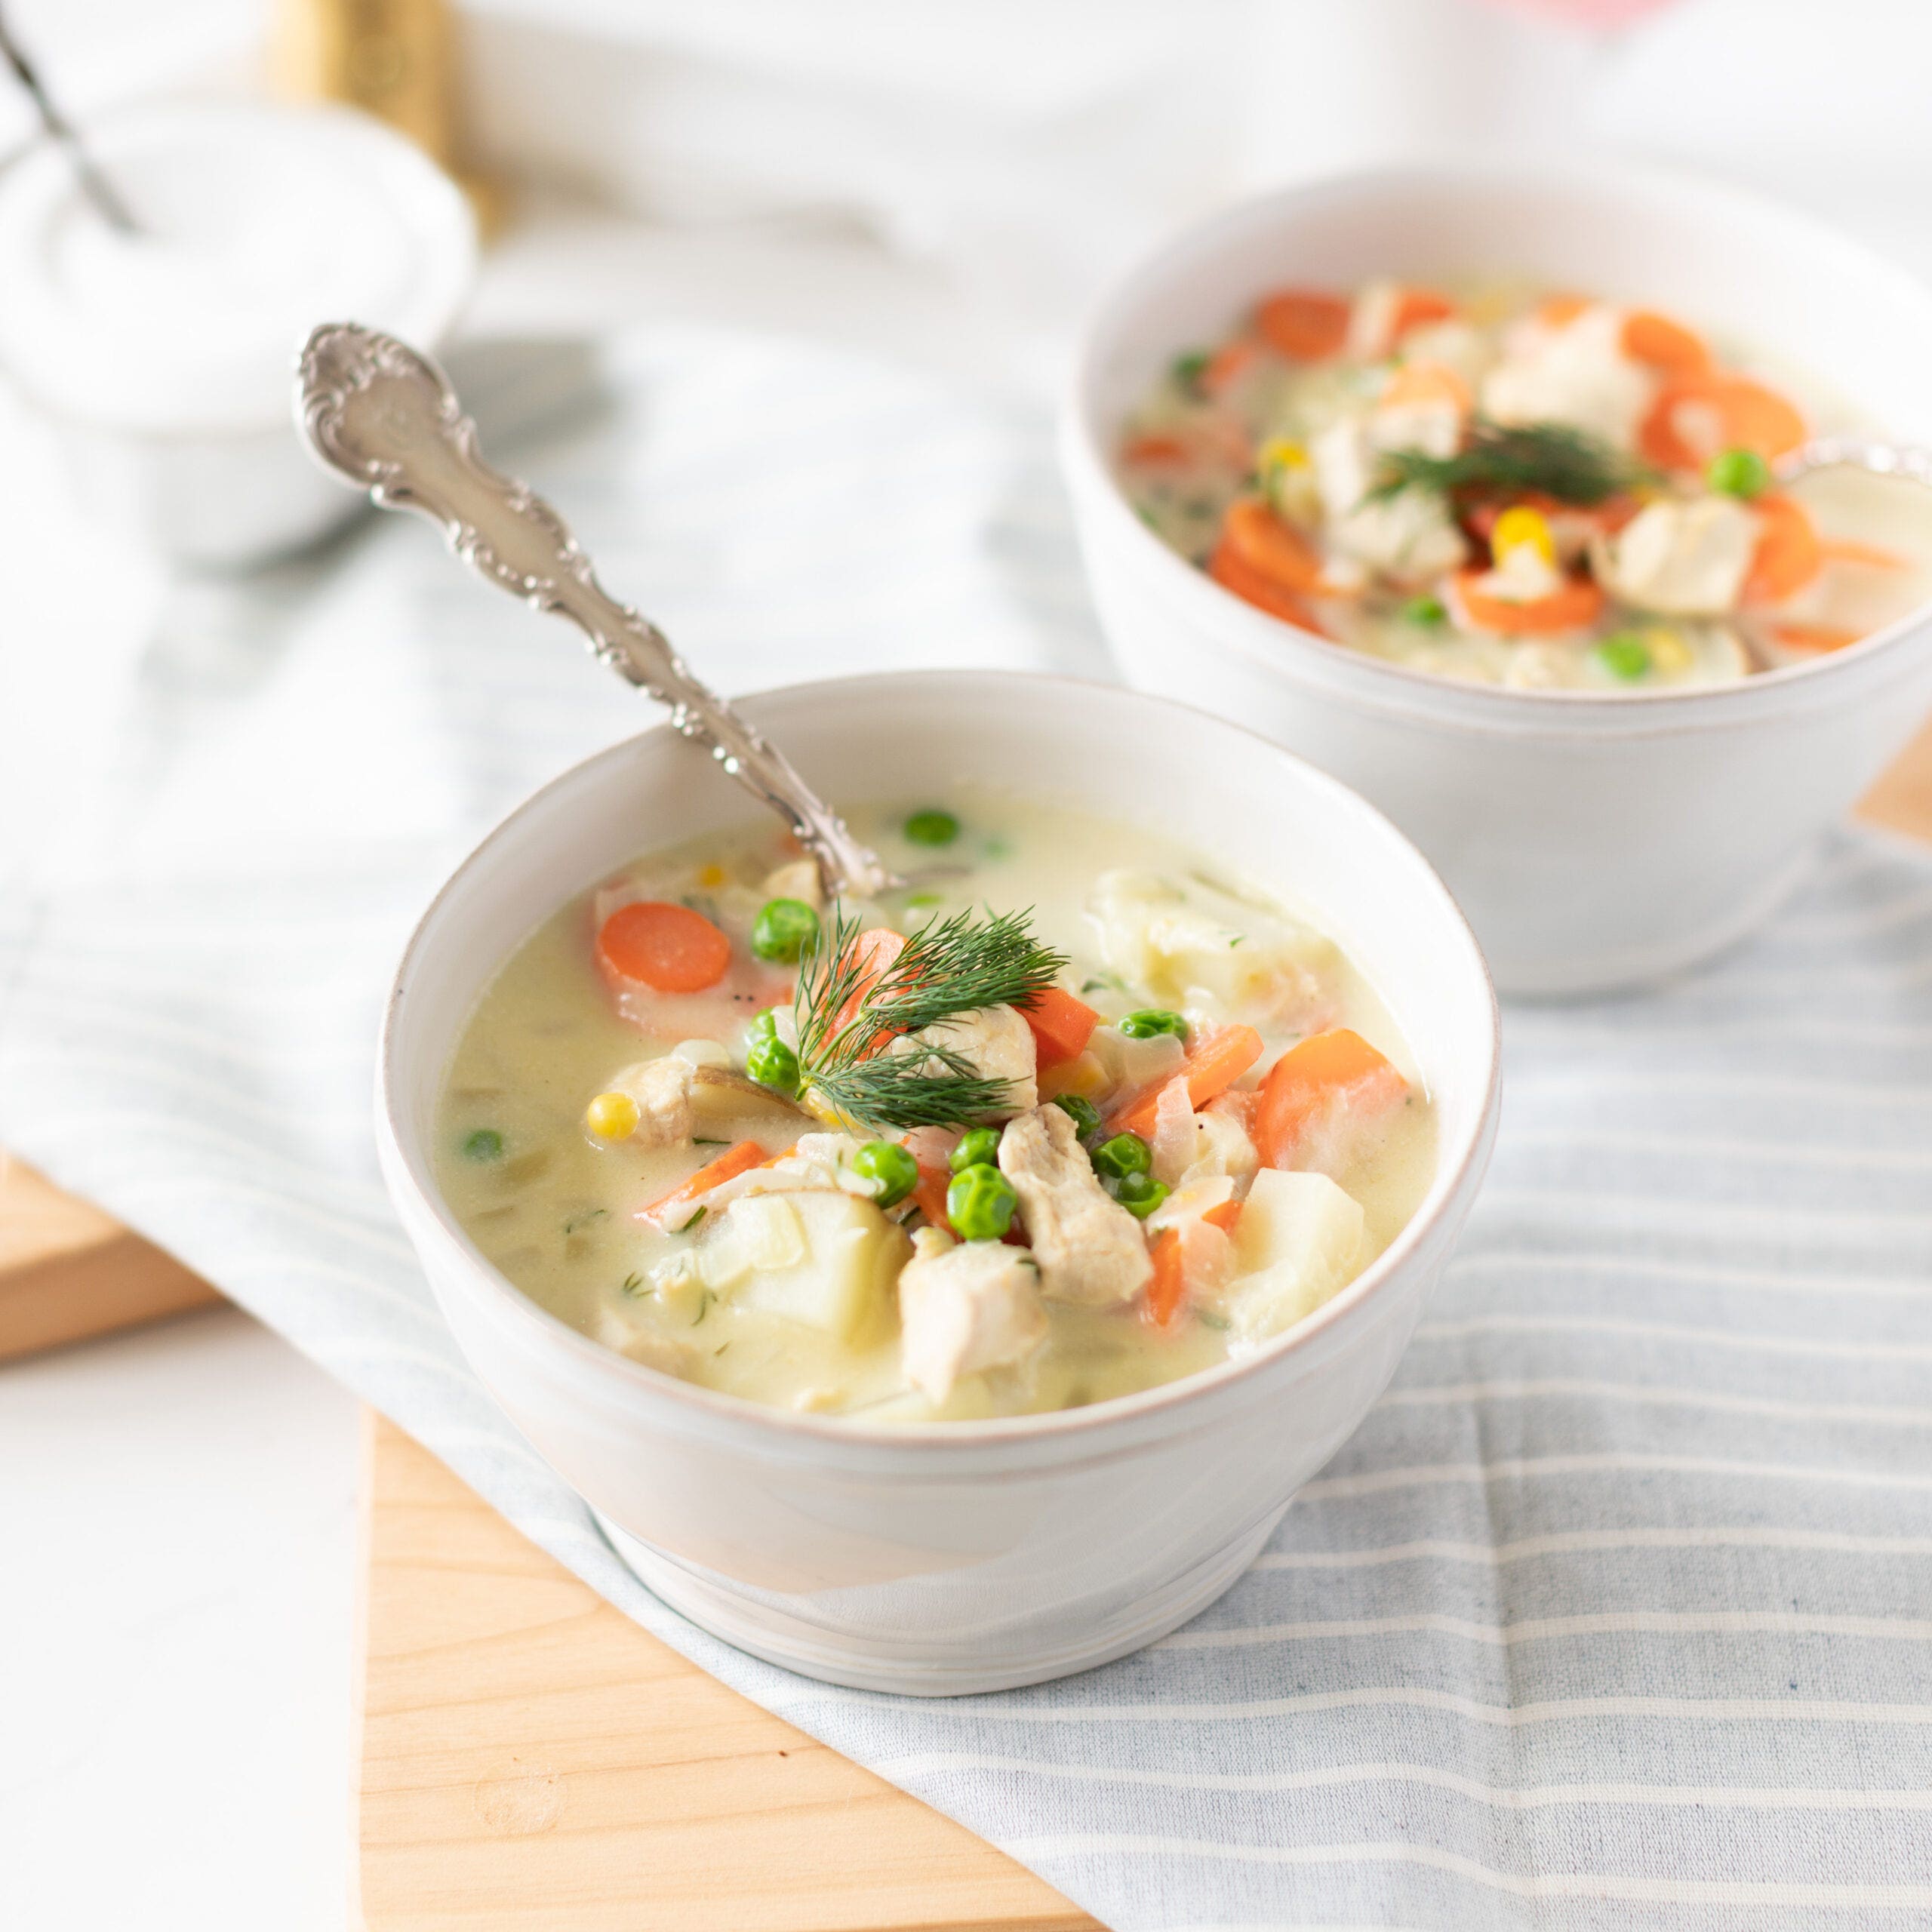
1457, 1169
1267, 636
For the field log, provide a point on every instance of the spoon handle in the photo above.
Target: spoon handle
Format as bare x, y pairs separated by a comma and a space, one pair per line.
386, 418
1856, 453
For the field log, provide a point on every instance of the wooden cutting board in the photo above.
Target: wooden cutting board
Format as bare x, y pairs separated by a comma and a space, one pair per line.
68, 1272
531, 1761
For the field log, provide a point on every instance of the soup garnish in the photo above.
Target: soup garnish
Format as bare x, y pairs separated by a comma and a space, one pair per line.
1546, 492
921, 1159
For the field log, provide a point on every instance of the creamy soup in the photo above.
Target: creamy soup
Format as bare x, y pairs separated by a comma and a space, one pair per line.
1070, 1114
1537, 490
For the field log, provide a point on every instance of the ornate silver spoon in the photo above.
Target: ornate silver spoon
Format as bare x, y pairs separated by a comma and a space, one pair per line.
1854, 452
385, 417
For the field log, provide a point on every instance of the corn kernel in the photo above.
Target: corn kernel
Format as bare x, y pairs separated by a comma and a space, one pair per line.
711, 876
1519, 526
1668, 652
612, 1117
1281, 453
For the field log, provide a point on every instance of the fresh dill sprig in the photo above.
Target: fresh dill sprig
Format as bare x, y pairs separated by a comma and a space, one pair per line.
1546, 457
946, 969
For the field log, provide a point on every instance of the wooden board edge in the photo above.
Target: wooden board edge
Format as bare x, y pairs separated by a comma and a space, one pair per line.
487, 1668
69, 1272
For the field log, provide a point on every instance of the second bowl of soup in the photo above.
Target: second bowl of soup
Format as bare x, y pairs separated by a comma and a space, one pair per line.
1020, 1237
1458, 480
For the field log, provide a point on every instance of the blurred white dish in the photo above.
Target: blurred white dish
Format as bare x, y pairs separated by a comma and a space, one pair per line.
162, 359
968, 1555
1595, 841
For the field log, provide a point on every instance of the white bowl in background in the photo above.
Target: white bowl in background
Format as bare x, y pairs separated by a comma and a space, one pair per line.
161, 362
969, 1556
1595, 841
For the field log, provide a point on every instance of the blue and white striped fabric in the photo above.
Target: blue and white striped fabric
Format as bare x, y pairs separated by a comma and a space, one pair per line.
1618, 1610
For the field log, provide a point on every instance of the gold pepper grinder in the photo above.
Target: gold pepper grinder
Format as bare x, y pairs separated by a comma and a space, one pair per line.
394, 58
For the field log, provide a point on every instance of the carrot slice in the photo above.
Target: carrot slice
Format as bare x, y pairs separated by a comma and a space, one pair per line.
1417, 307
1225, 1217
873, 951
737, 1159
1226, 567
1154, 447
1558, 311
1166, 1293
1577, 604
1325, 1071
1696, 415
1304, 325
1656, 340
671, 949
1062, 1024
930, 1193
1423, 383
1787, 556
1218, 1060
1227, 365
1820, 638
1271, 545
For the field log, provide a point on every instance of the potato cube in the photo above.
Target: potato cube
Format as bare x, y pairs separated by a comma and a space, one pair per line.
1296, 1245
842, 1281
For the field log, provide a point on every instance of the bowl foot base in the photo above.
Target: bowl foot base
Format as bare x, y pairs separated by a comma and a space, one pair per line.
955, 1668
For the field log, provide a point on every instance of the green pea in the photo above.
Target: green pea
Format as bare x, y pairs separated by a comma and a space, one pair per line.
1426, 610
1739, 473
1124, 1154
485, 1144
783, 930
1153, 1020
979, 1204
772, 1063
1189, 369
764, 1023
1139, 1193
978, 1149
894, 1171
932, 828
1625, 656
1086, 1115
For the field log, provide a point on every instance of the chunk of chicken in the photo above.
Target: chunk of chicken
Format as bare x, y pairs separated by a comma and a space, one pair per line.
963, 1307
1410, 535
1577, 375
662, 1089
1681, 559
1188, 954
1090, 1249
997, 1043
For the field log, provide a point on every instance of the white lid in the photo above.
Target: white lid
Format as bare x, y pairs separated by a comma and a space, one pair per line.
258, 222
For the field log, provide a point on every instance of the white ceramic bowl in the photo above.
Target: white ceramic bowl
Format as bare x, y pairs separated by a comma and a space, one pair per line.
161, 363
1594, 841
966, 1556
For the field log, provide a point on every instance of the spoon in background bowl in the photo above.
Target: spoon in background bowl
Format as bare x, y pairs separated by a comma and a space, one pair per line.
1854, 452
105, 196
385, 417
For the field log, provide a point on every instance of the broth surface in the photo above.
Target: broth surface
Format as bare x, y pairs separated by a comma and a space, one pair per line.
1519, 486
556, 1208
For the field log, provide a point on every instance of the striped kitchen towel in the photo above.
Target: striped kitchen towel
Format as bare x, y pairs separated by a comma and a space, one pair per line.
1618, 1609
